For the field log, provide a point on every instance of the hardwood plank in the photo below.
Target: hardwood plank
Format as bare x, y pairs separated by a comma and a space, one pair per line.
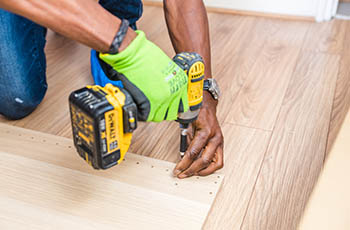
248, 35
19, 215
282, 32
63, 183
326, 37
329, 205
239, 45
295, 154
341, 102
259, 101
244, 153
232, 56
269, 74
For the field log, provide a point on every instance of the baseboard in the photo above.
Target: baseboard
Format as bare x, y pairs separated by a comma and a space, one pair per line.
243, 12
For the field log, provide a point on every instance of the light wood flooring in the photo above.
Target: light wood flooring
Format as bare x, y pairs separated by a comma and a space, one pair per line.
285, 94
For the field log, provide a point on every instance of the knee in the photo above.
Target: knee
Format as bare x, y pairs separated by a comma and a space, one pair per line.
22, 65
18, 104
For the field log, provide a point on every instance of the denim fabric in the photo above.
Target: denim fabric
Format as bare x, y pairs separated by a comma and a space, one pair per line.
22, 58
22, 65
124, 9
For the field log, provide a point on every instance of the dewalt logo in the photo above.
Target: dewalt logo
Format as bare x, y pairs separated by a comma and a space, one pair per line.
111, 130
111, 124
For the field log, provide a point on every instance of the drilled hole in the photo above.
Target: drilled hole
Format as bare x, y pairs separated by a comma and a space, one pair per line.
197, 177
124, 159
152, 166
176, 184
56, 143
31, 137
215, 182
210, 193
19, 134
218, 176
44, 140
69, 147
167, 170
137, 163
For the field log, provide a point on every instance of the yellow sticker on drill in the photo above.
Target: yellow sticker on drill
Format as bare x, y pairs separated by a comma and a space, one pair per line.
111, 118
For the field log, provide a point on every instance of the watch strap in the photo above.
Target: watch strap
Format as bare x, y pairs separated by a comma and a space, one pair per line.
206, 84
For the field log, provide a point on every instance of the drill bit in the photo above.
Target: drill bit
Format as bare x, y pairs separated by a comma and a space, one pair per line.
183, 139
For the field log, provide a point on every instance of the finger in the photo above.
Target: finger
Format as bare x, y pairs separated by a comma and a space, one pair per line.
202, 162
195, 148
189, 134
216, 165
189, 140
191, 131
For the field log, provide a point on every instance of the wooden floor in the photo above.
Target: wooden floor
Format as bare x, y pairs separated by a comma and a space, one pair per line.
285, 94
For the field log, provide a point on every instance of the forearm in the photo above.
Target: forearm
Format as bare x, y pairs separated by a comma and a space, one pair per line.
82, 20
188, 28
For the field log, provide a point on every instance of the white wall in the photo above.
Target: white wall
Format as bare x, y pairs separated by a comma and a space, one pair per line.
289, 7
319, 9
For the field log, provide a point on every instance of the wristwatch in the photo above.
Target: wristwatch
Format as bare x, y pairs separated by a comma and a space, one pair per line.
212, 87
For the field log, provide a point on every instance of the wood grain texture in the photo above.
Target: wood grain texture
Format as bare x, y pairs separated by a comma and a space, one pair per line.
244, 153
341, 103
326, 37
296, 151
139, 189
240, 44
258, 103
277, 46
329, 206
231, 70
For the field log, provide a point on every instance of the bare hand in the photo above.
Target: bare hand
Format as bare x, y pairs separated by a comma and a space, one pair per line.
205, 153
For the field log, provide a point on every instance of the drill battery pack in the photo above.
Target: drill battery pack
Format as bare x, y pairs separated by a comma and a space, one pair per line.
103, 119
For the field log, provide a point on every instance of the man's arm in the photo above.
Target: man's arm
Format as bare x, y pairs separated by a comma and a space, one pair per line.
82, 20
189, 31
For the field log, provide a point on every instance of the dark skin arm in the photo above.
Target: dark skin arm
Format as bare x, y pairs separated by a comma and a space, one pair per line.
73, 19
189, 31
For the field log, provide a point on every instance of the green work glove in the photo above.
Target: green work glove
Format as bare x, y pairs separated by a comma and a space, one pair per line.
157, 85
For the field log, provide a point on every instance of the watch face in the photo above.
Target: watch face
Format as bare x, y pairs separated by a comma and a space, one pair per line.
215, 88
212, 86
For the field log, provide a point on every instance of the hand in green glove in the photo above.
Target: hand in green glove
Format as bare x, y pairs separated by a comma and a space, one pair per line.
156, 83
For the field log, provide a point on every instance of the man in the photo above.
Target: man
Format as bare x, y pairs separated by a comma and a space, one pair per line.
105, 28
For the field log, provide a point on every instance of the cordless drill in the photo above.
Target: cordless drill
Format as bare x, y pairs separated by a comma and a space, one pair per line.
193, 66
104, 118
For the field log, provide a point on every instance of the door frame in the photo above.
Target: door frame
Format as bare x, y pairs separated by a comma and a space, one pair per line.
326, 10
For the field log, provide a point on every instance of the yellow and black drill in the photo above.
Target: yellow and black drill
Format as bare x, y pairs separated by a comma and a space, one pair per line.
103, 118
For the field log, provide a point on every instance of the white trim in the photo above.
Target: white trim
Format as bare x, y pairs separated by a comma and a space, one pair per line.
335, 7
326, 10
342, 17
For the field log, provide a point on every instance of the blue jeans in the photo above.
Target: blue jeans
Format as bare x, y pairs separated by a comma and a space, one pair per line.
23, 62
